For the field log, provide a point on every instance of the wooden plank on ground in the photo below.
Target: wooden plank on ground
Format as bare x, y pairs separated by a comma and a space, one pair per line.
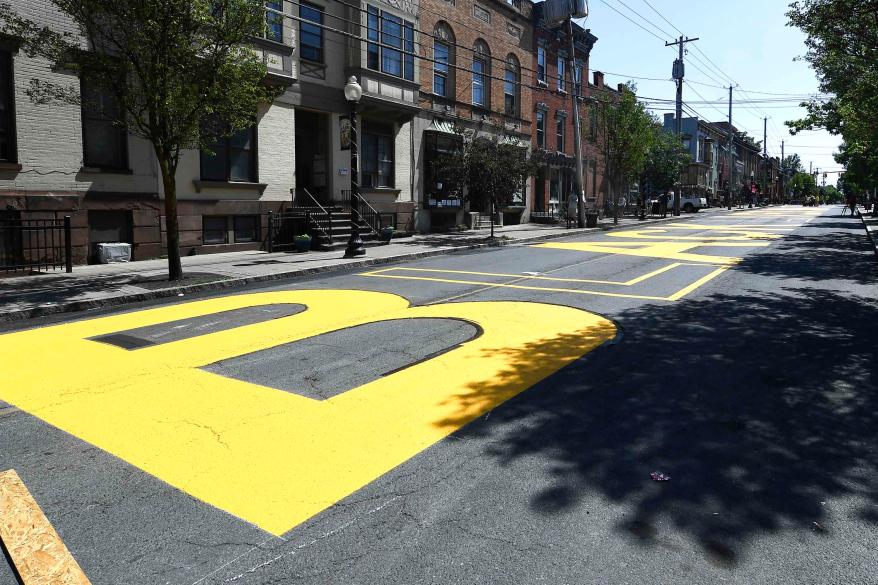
36, 550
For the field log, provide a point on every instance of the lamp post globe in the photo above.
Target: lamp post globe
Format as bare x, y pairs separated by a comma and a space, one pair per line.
352, 93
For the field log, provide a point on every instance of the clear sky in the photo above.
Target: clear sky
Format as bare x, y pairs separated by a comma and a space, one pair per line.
745, 41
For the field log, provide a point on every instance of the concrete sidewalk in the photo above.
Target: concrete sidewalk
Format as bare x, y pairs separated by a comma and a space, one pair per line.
871, 223
94, 286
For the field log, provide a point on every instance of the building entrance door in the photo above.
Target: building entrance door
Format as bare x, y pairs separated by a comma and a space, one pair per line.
312, 157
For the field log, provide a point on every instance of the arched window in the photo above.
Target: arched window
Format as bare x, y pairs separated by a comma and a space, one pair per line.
481, 74
511, 86
443, 55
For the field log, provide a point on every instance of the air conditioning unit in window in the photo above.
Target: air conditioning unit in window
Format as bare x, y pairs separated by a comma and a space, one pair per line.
486, 118
447, 108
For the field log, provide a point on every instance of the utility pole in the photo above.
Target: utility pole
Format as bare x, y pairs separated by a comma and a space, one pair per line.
731, 150
577, 137
678, 73
783, 174
764, 156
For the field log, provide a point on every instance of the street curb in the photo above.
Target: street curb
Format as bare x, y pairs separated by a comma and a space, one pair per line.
76, 306
870, 232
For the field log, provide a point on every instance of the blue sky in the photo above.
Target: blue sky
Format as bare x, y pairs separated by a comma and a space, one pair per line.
746, 41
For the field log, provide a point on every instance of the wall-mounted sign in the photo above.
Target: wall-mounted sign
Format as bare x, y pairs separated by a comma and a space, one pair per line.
344, 132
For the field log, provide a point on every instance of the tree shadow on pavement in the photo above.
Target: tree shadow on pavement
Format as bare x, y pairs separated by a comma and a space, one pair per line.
760, 405
815, 258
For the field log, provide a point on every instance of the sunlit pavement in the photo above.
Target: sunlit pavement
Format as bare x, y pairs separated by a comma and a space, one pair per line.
492, 417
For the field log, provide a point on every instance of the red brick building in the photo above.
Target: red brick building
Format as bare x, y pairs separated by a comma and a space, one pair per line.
475, 77
553, 130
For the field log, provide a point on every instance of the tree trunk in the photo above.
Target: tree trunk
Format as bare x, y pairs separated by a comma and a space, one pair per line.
172, 230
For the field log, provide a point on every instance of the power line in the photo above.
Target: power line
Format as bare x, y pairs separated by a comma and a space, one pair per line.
646, 20
632, 21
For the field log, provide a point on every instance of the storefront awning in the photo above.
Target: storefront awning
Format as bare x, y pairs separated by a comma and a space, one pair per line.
441, 127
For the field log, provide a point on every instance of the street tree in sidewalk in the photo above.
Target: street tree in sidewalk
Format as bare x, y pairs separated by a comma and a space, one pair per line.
181, 73
487, 172
842, 42
665, 160
624, 137
861, 167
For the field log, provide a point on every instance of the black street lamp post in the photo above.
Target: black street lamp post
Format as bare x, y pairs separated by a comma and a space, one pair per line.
353, 92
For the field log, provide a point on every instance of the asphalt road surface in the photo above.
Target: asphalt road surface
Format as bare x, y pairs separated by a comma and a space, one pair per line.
489, 417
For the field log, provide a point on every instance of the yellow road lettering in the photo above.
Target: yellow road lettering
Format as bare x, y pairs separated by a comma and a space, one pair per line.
270, 457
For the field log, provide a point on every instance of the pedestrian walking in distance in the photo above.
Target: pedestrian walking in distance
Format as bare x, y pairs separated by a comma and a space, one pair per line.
663, 203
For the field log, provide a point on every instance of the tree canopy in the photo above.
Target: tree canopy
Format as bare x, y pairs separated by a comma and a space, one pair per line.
665, 159
487, 171
842, 43
180, 73
625, 134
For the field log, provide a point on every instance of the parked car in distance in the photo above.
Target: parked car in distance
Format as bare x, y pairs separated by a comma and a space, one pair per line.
688, 203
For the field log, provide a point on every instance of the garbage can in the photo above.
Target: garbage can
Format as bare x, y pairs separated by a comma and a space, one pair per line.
591, 219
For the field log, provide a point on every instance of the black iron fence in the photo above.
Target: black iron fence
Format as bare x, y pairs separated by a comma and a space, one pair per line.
35, 244
283, 229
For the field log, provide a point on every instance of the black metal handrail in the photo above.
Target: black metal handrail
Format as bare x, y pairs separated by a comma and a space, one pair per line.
319, 219
362, 211
35, 244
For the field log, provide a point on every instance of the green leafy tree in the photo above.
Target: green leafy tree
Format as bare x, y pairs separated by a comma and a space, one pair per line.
830, 194
487, 172
803, 185
625, 134
181, 72
793, 164
665, 160
842, 43
861, 166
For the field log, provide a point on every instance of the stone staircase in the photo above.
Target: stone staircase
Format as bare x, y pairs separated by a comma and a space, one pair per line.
333, 230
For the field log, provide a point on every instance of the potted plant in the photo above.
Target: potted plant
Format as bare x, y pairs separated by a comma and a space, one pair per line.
303, 242
385, 233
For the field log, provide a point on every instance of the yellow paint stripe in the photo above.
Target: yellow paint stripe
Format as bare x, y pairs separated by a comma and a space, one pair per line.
36, 550
698, 283
723, 227
631, 282
516, 286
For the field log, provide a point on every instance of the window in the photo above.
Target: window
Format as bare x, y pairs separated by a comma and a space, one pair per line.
246, 228
481, 74
561, 86
274, 21
398, 57
479, 94
377, 147
311, 35
577, 80
436, 187
559, 132
214, 230
541, 129
105, 144
510, 86
440, 69
443, 54
7, 110
482, 14
234, 158
541, 64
